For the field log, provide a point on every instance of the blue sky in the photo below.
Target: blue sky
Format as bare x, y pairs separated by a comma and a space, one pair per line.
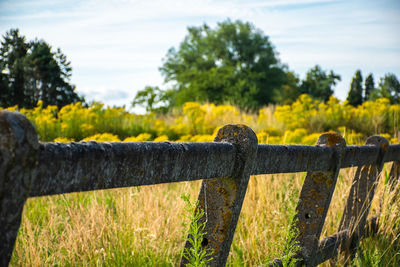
117, 46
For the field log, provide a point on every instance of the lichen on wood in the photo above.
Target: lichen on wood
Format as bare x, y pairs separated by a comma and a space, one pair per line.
18, 151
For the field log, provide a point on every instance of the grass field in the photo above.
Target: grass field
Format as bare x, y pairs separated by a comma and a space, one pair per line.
144, 226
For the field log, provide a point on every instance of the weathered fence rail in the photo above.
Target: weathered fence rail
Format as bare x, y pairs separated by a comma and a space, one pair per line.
29, 168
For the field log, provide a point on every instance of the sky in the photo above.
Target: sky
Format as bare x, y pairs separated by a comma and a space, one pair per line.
117, 46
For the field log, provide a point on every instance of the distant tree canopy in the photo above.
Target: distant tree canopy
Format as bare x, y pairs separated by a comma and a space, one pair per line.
355, 96
289, 92
234, 63
31, 71
369, 86
150, 98
388, 87
319, 84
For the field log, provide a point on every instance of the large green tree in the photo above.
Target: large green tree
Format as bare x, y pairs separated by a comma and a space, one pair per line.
32, 71
234, 63
355, 96
319, 84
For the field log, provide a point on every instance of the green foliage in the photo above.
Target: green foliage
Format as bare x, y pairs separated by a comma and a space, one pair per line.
299, 123
152, 98
12, 53
32, 71
233, 63
196, 255
367, 258
355, 96
371, 117
382, 248
289, 91
318, 84
289, 245
369, 87
389, 87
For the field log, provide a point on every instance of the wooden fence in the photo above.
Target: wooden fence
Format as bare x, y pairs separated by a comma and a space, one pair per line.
29, 168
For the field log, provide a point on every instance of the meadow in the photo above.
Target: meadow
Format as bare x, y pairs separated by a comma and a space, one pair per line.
299, 123
144, 226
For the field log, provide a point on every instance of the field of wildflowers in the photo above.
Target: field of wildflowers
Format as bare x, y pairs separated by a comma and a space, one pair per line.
299, 123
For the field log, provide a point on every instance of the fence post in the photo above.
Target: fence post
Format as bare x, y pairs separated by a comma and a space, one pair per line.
315, 198
222, 198
359, 200
18, 151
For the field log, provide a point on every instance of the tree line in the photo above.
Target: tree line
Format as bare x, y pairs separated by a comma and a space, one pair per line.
232, 63
236, 63
33, 71
388, 87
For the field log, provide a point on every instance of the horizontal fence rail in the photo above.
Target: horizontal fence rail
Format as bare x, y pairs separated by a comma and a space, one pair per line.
76, 167
275, 158
30, 169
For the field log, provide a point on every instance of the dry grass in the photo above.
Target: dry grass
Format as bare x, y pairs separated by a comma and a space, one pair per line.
143, 226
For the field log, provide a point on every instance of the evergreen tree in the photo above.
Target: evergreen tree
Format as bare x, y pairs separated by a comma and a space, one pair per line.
355, 96
13, 51
369, 87
31, 71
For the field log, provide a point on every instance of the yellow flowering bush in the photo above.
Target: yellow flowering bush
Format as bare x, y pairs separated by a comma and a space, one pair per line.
140, 138
354, 138
62, 140
262, 138
217, 116
76, 121
275, 140
161, 138
44, 119
103, 137
185, 138
202, 138
195, 117
294, 137
179, 128
298, 115
372, 116
299, 123
13, 108
310, 139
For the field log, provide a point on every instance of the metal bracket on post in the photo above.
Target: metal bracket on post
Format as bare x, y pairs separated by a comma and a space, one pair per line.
315, 198
359, 200
222, 198
19, 148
